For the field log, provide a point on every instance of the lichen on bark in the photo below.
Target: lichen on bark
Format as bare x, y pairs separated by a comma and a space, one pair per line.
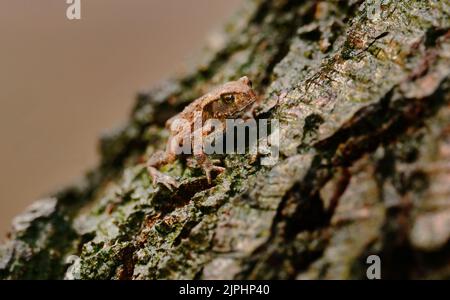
364, 108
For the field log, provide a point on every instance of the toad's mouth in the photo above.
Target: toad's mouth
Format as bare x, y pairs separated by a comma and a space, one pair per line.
242, 110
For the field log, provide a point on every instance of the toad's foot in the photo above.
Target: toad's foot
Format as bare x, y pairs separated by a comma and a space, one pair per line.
164, 179
208, 167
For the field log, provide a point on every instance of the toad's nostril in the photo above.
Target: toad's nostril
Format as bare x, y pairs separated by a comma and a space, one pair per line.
245, 80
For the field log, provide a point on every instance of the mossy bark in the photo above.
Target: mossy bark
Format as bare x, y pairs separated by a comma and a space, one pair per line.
363, 102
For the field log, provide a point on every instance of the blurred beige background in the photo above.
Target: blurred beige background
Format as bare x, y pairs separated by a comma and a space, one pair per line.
64, 82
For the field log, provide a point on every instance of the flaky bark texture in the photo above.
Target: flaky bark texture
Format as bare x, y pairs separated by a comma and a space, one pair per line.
363, 99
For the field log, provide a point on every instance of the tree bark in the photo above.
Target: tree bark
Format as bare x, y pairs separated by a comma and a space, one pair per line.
362, 95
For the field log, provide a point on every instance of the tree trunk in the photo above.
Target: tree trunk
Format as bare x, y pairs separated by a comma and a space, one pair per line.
362, 94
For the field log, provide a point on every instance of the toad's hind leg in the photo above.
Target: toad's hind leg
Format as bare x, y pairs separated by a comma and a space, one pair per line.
158, 159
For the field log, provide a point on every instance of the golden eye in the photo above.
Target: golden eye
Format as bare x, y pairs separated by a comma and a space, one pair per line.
229, 98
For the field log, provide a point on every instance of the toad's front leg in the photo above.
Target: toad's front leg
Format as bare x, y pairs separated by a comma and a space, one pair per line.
207, 165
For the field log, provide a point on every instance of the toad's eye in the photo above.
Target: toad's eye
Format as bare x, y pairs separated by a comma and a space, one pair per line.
227, 98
